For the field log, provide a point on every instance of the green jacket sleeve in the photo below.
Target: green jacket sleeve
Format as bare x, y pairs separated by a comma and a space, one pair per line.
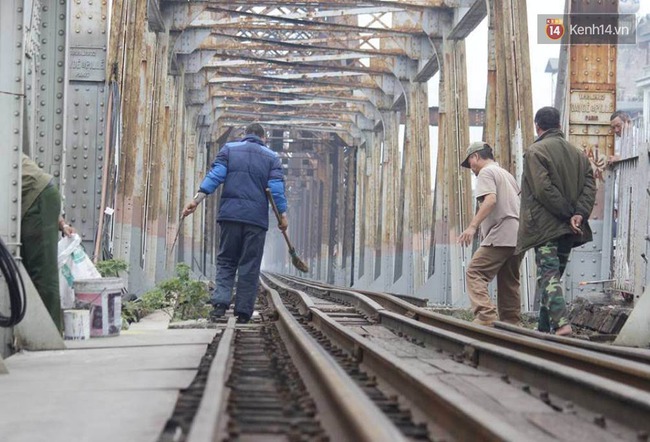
543, 188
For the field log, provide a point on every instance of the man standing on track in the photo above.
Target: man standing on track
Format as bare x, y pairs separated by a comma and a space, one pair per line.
245, 168
498, 216
558, 191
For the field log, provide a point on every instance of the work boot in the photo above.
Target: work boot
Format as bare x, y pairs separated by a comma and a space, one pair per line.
218, 311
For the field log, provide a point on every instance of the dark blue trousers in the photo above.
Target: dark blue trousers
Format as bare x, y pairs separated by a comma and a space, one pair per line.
240, 251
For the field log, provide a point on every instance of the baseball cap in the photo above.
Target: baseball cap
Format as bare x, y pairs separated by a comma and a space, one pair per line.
473, 148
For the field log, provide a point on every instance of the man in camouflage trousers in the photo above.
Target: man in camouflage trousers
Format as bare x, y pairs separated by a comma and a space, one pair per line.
558, 191
551, 259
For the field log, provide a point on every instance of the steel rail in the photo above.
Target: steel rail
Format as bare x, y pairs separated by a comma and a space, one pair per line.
596, 360
456, 414
612, 396
209, 418
345, 410
629, 353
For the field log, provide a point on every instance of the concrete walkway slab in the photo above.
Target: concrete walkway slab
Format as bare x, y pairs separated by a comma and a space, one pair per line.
121, 388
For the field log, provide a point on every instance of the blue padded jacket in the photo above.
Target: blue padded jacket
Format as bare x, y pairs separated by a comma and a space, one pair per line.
246, 168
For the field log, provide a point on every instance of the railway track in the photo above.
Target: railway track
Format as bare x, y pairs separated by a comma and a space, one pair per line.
627, 365
324, 363
560, 384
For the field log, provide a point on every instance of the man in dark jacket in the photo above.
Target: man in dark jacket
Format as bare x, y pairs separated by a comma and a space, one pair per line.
40, 225
558, 192
246, 168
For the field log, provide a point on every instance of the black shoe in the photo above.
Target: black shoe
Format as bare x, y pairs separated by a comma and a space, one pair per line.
243, 318
218, 311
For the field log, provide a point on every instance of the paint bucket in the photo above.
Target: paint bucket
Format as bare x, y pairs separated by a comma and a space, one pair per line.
76, 324
103, 297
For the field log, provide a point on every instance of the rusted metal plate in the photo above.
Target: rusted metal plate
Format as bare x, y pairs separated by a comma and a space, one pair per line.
87, 64
591, 107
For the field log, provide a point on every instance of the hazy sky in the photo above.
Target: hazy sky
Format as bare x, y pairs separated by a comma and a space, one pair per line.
476, 46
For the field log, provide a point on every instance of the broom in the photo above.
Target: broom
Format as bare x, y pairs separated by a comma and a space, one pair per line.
295, 260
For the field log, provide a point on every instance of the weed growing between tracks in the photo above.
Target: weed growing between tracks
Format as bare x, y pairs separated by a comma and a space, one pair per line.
182, 297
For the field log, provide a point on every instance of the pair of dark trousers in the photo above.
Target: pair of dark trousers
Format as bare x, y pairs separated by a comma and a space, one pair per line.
487, 263
39, 234
551, 259
240, 252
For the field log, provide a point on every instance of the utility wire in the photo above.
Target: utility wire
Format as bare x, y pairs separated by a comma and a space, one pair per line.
17, 295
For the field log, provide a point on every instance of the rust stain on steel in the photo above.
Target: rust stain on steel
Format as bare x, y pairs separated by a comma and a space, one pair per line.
593, 68
218, 41
407, 4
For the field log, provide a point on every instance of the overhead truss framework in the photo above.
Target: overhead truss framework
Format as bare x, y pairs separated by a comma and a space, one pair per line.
322, 66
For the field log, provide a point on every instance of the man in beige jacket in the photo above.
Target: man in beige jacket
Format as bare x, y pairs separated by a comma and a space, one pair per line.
498, 218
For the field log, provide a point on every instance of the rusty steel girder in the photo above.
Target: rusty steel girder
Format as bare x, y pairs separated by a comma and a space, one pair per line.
345, 51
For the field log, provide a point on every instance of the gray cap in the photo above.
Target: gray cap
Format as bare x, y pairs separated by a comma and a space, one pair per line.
473, 148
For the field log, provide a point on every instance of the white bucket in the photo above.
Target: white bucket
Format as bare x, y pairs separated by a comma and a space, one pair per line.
76, 324
103, 297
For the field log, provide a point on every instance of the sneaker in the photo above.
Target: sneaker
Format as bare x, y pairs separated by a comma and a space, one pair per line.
218, 311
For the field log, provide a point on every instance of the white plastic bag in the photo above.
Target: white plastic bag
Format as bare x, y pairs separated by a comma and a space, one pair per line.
73, 264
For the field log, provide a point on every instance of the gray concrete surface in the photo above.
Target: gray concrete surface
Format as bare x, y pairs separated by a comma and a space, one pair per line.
117, 389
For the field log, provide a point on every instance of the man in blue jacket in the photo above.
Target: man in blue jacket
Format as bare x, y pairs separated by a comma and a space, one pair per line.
245, 168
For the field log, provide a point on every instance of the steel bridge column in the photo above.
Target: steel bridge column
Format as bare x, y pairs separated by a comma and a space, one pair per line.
592, 85
372, 221
175, 193
508, 107
324, 174
509, 100
46, 68
350, 234
12, 101
389, 190
86, 98
417, 184
358, 271
128, 210
456, 183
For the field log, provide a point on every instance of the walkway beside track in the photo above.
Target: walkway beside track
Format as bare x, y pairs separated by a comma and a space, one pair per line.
109, 389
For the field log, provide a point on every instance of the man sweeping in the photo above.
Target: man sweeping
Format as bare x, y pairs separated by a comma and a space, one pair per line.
246, 169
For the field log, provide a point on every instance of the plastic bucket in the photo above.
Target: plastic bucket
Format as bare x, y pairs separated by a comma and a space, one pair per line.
103, 297
76, 324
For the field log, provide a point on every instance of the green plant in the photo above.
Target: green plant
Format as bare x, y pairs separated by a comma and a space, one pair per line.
112, 267
187, 298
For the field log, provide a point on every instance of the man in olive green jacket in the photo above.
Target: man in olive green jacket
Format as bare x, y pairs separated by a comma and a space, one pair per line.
39, 228
558, 192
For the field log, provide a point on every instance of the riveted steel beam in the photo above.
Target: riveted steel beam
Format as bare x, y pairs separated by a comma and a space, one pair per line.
179, 15
154, 16
469, 21
281, 98
190, 40
12, 99
403, 4
260, 63
196, 60
233, 42
232, 18
350, 80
